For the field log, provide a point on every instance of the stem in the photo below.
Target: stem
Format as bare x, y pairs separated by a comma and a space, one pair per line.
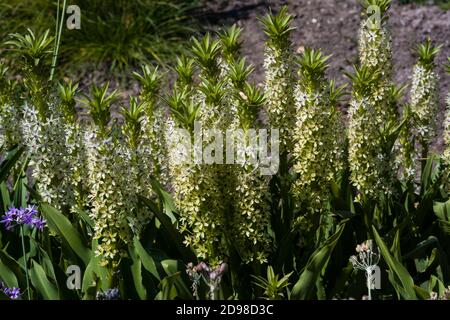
212, 289
58, 37
369, 283
424, 157
54, 48
25, 262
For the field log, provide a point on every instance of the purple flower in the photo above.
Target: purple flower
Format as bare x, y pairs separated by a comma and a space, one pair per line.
28, 216
12, 293
11, 216
38, 223
30, 212
110, 294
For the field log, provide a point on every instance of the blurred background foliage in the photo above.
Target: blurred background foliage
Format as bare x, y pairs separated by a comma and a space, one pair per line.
114, 33
444, 4
118, 34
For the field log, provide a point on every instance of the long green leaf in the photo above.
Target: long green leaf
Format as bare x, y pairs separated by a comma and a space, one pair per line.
14, 267
168, 289
136, 271
41, 282
172, 232
4, 196
303, 289
94, 271
165, 199
10, 160
85, 217
172, 267
7, 276
146, 259
398, 275
442, 210
62, 226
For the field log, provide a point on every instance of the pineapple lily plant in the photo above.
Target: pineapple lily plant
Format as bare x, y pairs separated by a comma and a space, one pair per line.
115, 193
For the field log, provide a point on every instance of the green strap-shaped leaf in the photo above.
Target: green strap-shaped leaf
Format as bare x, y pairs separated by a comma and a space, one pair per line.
8, 262
398, 275
10, 160
146, 259
41, 282
136, 272
436, 285
442, 210
7, 276
62, 226
168, 289
94, 272
395, 248
172, 232
4, 197
427, 175
422, 293
85, 216
303, 289
173, 267
20, 186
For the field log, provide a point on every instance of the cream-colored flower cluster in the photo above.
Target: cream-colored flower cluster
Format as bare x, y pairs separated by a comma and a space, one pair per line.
199, 202
375, 47
109, 184
278, 86
195, 186
372, 111
219, 203
249, 188
424, 102
10, 117
45, 140
407, 159
447, 131
251, 218
230, 120
318, 149
77, 155
153, 151
9, 112
364, 153
446, 156
375, 53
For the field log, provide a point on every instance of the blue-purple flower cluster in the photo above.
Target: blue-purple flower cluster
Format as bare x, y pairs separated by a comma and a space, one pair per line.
110, 294
12, 293
20, 216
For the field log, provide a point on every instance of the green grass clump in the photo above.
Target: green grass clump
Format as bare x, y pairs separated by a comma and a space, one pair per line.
115, 33
443, 4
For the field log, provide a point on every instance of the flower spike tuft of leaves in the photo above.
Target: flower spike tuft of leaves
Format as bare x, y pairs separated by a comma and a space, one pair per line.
426, 53
279, 74
99, 105
206, 52
278, 27
231, 44
67, 92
